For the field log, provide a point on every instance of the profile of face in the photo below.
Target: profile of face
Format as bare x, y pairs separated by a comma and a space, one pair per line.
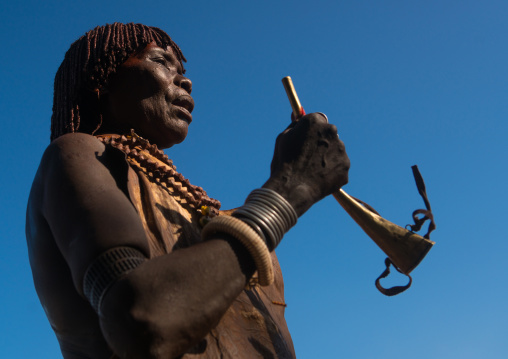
149, 94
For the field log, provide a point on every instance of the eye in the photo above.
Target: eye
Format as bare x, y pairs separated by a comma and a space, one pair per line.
167, 64
160, 60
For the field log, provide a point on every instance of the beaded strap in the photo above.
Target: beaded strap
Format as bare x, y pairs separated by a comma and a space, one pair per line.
165, 172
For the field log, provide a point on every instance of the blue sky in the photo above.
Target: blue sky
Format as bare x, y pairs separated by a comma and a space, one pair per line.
405, 82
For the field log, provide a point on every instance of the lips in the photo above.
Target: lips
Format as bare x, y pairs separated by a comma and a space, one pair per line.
184, 104
184, 101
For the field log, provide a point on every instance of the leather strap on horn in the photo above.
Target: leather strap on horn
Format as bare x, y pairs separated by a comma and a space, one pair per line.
393, 290
366, 205
427, 214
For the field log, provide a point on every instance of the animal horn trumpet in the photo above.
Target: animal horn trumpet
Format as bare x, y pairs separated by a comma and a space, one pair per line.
405, 249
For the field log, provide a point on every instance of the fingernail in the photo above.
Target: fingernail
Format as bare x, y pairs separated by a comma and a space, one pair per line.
326, 117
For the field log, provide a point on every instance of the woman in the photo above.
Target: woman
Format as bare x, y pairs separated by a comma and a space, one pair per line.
129, 259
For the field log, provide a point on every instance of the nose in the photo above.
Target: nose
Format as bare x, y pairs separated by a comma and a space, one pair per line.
183, 82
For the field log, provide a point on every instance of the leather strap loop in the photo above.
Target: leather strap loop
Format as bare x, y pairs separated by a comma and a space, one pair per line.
393, 290
427, 214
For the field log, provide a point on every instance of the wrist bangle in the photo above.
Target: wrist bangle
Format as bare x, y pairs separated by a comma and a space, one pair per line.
270, 212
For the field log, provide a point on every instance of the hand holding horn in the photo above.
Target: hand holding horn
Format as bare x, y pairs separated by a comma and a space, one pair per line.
404, 248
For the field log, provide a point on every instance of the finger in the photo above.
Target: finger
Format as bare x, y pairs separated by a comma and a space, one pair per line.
322, 114
341, 147
293, 117
291, 125
316, 117
331, 131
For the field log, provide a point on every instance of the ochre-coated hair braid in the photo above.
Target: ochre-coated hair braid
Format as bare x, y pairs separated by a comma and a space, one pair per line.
87, 67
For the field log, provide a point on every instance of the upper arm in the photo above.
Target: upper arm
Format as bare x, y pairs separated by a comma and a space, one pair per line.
84, 204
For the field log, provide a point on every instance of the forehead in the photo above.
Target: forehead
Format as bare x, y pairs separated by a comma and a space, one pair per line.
153, 49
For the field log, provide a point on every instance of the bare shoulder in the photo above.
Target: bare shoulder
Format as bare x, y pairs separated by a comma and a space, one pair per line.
65, 150
67, 159
70, 148
81, 160
79, 195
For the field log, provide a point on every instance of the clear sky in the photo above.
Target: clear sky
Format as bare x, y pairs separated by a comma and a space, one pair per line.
406, 82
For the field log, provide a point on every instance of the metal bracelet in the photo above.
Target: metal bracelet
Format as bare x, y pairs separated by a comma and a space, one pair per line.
278, 201
255, 227
270, 212
252, 213
106, 270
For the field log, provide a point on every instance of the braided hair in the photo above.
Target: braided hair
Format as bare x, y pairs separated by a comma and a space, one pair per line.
87, 67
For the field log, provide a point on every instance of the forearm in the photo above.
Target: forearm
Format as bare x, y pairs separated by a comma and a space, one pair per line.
174, 300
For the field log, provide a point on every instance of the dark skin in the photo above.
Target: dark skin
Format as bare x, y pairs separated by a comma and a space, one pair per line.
73, 218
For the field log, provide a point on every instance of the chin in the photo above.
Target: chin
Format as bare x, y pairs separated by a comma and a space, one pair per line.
175, 138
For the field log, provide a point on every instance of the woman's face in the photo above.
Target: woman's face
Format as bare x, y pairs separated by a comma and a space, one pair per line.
149, 94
